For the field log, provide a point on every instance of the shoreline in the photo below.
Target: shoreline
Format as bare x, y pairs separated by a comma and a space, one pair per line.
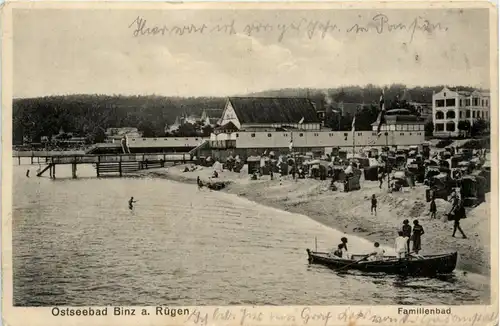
350, 212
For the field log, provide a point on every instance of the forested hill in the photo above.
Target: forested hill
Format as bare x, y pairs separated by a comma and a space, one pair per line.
366, 94
92, 114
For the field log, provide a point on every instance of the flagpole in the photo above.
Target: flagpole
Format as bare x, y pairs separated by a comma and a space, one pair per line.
387, 164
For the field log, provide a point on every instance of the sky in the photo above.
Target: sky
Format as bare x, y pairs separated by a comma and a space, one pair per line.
64, 51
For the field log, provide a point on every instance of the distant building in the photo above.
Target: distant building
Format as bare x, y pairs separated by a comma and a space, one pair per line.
115, 134
449, 107
204, 120
252, 125
402, 121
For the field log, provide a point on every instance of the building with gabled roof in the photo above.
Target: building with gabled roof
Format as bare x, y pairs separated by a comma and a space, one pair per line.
248, 113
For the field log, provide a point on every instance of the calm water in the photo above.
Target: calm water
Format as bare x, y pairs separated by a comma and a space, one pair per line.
75, 242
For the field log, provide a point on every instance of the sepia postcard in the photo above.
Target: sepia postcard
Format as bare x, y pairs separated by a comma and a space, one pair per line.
250, 164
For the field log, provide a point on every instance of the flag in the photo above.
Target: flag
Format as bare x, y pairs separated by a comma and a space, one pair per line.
290, 146
301, 121
353, 124
381, 115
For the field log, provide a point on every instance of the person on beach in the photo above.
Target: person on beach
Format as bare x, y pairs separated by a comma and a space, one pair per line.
418, 231
457, 216
433, 208
28, 173
377, 254
198, 181
407, 232
374, 205
131, 203
401, 245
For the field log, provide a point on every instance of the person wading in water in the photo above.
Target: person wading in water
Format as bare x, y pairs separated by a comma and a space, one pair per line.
131, 203
418, 231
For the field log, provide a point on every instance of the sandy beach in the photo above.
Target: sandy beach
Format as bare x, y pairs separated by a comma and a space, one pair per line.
350, 212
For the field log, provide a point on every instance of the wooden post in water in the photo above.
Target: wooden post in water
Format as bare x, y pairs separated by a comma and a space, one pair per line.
97, 165
19, 160
120, 166
54, 171
73, 168
32, 158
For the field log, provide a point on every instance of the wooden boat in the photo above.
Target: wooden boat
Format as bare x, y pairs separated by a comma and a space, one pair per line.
425, 266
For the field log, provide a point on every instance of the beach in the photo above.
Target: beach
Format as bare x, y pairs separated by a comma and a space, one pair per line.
350, 212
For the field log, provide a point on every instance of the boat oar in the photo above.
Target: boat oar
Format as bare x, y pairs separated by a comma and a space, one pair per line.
357, 261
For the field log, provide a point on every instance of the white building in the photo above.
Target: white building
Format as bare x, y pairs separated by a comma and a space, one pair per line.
449, 107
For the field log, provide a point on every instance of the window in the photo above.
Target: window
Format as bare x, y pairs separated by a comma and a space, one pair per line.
486, 113
439, 127
486, 102
461, 102
439, 103
133, 139
155, 139
402, 134
301, 135
439, 115
450, 126
450, 102
467, 113
316, 135
286, 135
269, 135
237, 135
360, 134
345, 134
482, 114
374, 134
444, 94
410, 133
450, 115
252, 135
460, 114
475, 101
482, 102
144, 139
473, 114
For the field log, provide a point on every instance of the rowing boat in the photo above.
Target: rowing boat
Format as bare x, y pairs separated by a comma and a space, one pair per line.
423, 265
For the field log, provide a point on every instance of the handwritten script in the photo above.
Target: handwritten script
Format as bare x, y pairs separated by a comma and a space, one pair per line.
377, 25
326, 317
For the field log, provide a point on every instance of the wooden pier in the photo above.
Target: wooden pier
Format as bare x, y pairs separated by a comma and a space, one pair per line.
104, 164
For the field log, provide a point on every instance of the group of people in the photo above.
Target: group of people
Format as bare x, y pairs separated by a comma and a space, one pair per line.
405, 237
401, 244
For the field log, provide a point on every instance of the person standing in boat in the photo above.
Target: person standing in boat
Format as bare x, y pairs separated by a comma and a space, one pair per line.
374, 205
418, 231
407, 233
401, 245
